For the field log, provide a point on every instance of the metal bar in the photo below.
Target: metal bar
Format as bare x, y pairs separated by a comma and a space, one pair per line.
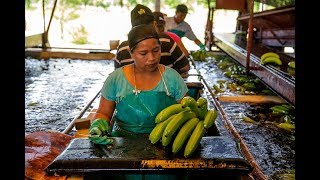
71, 124
276, 79
250, 33
268, 12
257, 172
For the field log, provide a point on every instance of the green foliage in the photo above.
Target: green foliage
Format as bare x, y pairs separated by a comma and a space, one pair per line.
73, 16
272, 4
80, 36
98, 3
279, 3
29, 4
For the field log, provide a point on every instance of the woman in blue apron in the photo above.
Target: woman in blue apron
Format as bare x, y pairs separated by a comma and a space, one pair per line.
133, 95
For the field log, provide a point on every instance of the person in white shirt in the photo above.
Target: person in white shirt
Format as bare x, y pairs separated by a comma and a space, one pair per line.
177, 25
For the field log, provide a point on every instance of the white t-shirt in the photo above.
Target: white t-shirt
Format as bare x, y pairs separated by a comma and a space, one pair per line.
182, 29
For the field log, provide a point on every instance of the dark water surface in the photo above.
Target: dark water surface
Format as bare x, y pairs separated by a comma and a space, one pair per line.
57, 90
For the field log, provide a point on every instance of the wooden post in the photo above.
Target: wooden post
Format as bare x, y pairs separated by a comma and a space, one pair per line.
250, 32
157, 6
44, 34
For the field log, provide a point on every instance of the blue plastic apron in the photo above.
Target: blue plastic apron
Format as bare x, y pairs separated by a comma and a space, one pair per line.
136, 112
177, 32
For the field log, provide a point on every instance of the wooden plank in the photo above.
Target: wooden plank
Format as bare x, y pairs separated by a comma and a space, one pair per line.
277, 11
72, 55
39, 54
252, 99
231, 4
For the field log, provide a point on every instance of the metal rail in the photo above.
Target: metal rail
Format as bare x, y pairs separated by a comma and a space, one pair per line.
257, 172
71, 124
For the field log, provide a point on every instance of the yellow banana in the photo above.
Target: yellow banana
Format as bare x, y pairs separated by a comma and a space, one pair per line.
194, 139
271, 60
209, 118
269, 54
177, 122
157, 131
183, 134
167, 112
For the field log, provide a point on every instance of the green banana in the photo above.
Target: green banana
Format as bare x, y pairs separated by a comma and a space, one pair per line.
203, 112
287, 126
177, 122
217, 89
167, 112
284, 107
289, 107
209, 118
269, 54
194, 139
271, 60
279, 109
202, 101
190, 102
157, 131
183, 134
202, 106
166, 140
292, 64
247, 119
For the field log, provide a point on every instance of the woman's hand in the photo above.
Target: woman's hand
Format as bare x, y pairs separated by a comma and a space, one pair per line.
98, 132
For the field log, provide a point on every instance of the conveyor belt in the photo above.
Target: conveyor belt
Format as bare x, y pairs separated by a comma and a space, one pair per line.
279, 81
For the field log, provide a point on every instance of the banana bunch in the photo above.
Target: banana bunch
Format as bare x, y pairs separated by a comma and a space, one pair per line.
270, 58
199, 55
286, 112
183, 124
291, 68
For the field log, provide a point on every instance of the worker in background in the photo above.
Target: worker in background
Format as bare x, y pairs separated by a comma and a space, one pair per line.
161, 23
177, 25
171, 55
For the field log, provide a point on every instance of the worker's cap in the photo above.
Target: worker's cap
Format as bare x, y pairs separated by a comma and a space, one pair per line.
141, 15
139, 33
182, 8
159, 18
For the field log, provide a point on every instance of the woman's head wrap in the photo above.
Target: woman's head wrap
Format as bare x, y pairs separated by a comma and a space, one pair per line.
140, 33
141, 15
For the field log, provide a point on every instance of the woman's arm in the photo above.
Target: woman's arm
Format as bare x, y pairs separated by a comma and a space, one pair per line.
105, 109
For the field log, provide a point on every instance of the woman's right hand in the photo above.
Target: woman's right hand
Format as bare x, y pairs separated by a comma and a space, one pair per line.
98, 132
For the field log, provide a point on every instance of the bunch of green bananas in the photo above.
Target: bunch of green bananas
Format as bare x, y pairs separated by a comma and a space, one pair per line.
199, 55
183, 124
285, 111
271, 58
292, 68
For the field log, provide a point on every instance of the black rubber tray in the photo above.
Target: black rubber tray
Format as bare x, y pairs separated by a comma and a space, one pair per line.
218, 154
